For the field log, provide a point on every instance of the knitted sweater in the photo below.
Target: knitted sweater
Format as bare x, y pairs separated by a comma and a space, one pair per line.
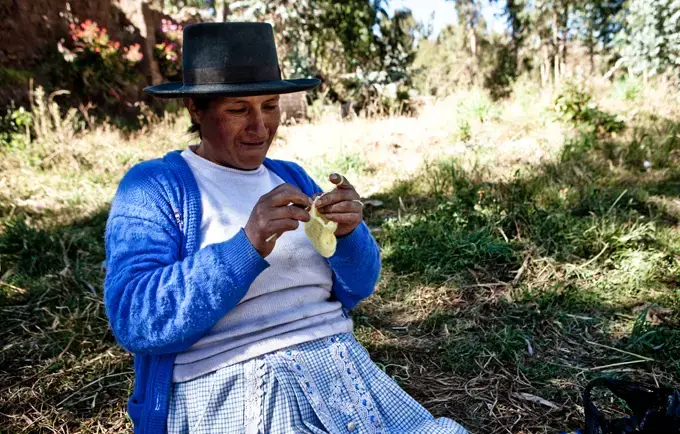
163, 293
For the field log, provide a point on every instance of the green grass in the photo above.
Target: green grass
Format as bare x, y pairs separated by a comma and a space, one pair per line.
350, 165
534, 283
531, 284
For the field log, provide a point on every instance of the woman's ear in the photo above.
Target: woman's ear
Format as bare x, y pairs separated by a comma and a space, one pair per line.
193, 110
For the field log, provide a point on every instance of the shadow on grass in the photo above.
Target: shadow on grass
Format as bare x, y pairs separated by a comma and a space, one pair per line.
61, 368
495, 293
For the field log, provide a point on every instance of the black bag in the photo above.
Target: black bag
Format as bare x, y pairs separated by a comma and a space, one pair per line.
655, 410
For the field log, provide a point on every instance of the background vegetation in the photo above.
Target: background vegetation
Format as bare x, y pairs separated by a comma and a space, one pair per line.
524, 188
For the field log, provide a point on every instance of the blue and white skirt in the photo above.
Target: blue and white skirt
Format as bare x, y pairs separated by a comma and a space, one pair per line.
328, 385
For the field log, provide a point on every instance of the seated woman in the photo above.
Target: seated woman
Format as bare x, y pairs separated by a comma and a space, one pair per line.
236, 322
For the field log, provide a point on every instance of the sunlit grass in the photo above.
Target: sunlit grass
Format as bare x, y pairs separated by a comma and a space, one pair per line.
509, 265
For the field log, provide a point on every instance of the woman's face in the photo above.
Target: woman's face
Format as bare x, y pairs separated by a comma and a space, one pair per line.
237, 131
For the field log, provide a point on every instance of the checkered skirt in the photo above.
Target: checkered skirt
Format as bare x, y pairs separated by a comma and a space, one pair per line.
328, 385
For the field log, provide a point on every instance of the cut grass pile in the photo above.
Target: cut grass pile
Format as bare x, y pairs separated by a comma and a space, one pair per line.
513, 271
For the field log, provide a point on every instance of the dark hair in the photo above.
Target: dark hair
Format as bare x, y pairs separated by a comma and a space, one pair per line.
202, 103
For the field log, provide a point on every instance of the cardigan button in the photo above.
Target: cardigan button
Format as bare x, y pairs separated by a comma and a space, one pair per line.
351, 426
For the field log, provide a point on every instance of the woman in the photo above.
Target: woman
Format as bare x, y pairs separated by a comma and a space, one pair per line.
236, 322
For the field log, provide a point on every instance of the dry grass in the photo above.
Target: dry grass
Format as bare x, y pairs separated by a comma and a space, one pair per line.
511, 277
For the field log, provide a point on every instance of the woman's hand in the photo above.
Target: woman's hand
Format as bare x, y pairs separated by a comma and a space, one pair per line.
342, 205
272, 216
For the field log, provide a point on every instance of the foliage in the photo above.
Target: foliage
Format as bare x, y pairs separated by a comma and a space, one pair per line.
98, 69
336, 42
51, 129
599, 22
9, 76
628, 88
15, 127
651, 39
45, 132
576, 106
42, 130
503, 73
443, 65
168, 53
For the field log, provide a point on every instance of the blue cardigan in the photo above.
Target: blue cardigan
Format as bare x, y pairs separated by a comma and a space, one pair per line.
162, 293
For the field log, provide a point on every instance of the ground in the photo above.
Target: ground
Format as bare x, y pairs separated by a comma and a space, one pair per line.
526, 250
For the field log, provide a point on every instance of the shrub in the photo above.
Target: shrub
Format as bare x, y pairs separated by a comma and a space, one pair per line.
98, 69
169, 52
576, 106
629, 88
46, 132
168, 56
376, 93
15, 127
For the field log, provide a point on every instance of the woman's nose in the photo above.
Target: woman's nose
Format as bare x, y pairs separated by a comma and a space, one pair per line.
256, 124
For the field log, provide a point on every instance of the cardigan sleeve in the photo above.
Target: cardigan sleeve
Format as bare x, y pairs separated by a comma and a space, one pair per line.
157, 302
356, 262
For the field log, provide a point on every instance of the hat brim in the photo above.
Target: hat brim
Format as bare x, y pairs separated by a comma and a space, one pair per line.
179, 89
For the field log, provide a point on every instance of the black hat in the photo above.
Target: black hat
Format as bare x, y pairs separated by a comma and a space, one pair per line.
229, 59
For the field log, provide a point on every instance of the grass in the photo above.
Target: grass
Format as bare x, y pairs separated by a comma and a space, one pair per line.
513, 267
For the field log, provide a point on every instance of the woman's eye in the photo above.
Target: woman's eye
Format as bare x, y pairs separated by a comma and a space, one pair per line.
237, 111
271, 108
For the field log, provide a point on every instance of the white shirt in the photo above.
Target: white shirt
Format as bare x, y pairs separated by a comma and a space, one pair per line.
288, 303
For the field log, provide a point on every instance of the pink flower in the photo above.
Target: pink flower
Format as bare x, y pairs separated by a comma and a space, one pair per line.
132, 53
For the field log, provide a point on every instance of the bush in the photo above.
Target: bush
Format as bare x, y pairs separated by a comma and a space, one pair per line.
98, 69
169, 52
376, 93
46, 132
576, 106
15, 127
629, 88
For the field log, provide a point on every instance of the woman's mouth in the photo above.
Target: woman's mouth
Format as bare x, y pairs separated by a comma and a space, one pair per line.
254, 144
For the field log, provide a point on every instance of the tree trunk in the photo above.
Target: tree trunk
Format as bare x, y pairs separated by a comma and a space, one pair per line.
225, 10
564, 30
556, 44
473, 40
591, 42
141, 16
513, 10
545, 66
591, 54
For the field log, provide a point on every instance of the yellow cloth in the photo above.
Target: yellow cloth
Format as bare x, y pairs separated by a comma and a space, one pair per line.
321, 232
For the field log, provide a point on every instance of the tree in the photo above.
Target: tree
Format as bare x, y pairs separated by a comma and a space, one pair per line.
517, 16
651, 37
597, 22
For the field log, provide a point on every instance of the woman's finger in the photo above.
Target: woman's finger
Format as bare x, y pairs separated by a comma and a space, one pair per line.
336, 196
278, 227
345, 218
285, 194
352, 206
288, 212
340, 181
